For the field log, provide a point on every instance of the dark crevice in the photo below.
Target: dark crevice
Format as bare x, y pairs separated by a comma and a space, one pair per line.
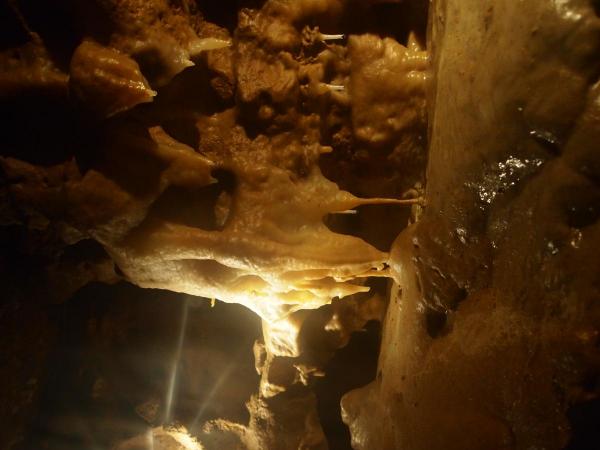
119, 271
399, 19
184, 131
581, 216
436, 323
206, 208
350, 368
84, 250
379, 225
225, 12
581, 205
547, 141
460, 296
222, 13
153, 64
59, 34
12, 32
386, 19
585, 425
189, 94
38, 127
226, 179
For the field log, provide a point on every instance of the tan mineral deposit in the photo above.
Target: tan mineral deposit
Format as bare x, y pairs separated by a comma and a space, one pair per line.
300, 224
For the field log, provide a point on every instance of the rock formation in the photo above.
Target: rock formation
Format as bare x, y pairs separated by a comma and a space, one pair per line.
313, 162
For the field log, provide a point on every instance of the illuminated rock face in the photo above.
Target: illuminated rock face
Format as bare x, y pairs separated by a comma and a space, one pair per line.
227, 164
194, 159
234, 217
176, 438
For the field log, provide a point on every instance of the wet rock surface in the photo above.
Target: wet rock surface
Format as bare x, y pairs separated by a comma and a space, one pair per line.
270, 154
491, 339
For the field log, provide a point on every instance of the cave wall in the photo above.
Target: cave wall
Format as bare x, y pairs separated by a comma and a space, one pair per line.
203, 149
491, 337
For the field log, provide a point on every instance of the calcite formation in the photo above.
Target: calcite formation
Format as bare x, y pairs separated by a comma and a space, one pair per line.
267, 153
203, 173
490, 338
261, 241
160, 438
